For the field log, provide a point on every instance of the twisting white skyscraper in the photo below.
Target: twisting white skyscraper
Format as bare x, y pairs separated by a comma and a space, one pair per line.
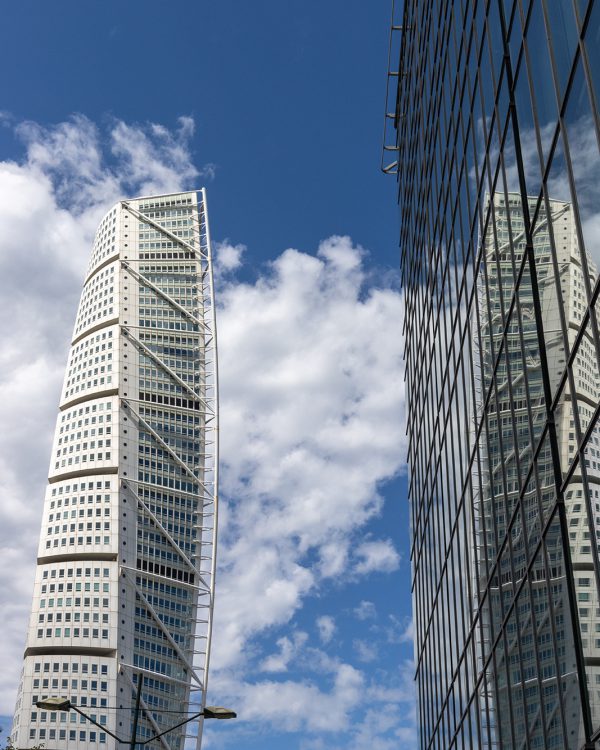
125, 571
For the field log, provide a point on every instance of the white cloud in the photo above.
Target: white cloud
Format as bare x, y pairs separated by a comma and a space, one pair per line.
326, 627
150, 158
348, 710
227, 257
311, 423
408, 634
365, 611
333, 556
292, 705
399, 630
378, 555
156, 159
385, 719
288, 650
365, 651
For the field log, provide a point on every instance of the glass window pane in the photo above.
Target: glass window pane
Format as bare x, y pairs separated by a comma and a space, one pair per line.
542, 86
581, 137
592, 46
564, 34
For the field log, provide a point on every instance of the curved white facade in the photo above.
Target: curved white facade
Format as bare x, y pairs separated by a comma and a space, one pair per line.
125, 575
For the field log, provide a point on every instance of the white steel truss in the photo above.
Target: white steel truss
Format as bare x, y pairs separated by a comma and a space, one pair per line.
202, 473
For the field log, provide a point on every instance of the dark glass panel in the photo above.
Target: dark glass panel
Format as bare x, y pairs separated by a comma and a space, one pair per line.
582, 503
544, 478
528, 388
592, 48
538, 63
584, 158
529, 142
507, 697
492, 724
483, 108
551, 274
496, 40
564, 34
581, 7
579, 416
515, 42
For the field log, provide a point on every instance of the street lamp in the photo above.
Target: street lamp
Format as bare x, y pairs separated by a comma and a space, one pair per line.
64, 704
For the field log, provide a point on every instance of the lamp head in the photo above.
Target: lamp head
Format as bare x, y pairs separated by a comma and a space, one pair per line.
54, 704
218, 712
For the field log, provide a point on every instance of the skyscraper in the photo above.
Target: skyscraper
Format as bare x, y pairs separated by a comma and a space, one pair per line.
125, 571
493, 134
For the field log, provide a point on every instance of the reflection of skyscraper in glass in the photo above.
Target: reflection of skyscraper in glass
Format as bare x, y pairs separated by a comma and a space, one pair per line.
518, 397
124, 582
500, 220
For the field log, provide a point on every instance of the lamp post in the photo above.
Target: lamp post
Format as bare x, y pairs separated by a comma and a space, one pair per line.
64, 704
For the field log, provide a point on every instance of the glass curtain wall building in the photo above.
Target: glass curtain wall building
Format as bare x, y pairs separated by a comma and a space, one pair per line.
496, 150
125, 570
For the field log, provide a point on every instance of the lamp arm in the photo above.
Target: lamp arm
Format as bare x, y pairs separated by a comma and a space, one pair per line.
170, 729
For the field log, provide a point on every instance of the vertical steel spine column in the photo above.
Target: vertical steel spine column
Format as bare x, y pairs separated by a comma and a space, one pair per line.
215, 367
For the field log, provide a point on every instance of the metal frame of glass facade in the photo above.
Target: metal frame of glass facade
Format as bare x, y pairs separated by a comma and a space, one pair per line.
498, 166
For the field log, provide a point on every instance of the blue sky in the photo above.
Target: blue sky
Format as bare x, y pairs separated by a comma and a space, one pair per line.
282, 109
288, 101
